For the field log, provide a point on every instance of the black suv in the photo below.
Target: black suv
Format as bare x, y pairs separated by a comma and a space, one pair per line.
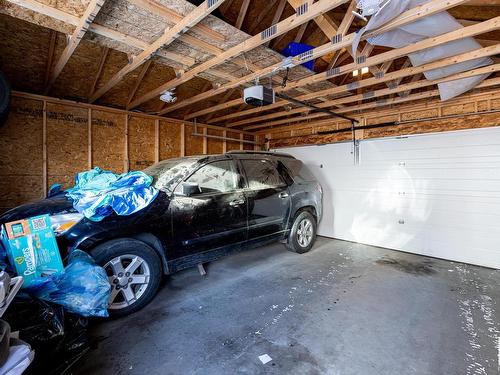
208, 207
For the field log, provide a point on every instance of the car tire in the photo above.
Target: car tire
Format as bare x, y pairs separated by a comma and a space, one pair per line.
4, 98
131, 290
303, 233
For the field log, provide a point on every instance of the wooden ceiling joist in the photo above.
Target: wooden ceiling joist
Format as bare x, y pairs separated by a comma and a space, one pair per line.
249, 44
157, 8
104, 31
73, 42
394, 77
242, 14
168, 37
409, 16
102, 61
492, 82
379, 93
50, 57
138, 81
386, 56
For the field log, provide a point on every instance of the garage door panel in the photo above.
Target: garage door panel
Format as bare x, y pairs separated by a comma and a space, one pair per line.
357, 207
433, 194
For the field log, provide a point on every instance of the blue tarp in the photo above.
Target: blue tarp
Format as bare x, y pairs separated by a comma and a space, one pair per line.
82, 288
295, 49
98, 193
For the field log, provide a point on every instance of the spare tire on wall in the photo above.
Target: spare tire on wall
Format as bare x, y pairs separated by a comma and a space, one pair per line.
4, 98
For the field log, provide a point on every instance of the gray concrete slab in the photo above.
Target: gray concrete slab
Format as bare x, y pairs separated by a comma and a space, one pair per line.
343, 308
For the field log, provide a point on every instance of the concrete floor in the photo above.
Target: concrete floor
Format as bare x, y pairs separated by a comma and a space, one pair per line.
343, 308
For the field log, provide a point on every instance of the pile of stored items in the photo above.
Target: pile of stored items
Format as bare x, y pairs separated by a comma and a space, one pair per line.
45, 303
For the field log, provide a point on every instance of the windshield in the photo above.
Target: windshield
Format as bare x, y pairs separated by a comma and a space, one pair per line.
167, 173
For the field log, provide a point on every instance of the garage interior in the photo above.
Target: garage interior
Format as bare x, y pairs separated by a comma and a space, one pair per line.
395, 112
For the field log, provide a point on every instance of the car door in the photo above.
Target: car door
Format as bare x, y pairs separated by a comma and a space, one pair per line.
213, 217
268, 199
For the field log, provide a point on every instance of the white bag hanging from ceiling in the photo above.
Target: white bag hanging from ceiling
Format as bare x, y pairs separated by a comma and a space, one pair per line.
424, 28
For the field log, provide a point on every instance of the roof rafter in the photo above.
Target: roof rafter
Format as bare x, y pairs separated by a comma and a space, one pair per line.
409, 16
168, 37
376, 104
249, 44
242, 13
102, 61
380, 93
138, 80
387, 56
74, 40
114, 35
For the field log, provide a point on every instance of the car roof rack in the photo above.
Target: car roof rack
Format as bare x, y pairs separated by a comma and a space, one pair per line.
270, 153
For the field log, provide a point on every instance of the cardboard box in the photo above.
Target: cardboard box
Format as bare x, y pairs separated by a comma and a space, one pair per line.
32, 248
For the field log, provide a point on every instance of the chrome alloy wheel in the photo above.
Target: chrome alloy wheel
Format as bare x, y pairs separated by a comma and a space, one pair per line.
129, 278
305, 232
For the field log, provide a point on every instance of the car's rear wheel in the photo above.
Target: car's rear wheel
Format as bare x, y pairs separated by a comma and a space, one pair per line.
303, 233
134, 273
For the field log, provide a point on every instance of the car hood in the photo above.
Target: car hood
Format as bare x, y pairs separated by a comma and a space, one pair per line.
57, 204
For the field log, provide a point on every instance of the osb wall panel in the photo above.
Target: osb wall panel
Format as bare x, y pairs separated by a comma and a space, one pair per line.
170, 140
23, 53
284, 139
21, 157
248, 146
141, 142
214, 146
457, 123
230, 144
194, 144
67, 146
108, 140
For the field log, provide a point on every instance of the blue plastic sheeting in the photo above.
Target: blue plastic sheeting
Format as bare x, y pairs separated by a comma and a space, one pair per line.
99, 193
295, 49
82, 288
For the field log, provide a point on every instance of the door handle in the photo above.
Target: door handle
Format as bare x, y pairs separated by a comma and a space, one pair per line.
283, 195
236, 202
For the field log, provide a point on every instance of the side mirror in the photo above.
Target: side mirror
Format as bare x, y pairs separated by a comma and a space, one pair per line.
190, 188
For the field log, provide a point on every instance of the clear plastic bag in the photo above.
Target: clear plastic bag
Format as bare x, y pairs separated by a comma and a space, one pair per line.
82, 288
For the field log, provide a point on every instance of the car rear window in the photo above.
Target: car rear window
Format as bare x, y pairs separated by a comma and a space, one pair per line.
298, 171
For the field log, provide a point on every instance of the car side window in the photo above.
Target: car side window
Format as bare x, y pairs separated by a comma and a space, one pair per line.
216, 177
261, 174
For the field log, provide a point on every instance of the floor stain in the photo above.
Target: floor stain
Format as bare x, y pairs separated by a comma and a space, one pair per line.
414, 268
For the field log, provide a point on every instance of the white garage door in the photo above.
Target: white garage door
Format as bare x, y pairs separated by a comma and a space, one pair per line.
435, 194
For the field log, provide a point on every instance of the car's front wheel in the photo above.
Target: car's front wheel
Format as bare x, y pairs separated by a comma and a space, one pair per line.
134, 273
303, 233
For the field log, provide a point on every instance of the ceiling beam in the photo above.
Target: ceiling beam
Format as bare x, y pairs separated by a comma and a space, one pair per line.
168, 37
263, 13
138, 81
249, 44
74, 40
174, 17
102, 61
394, 77
277, 16
376, 104
409, 16
377, 94
242, 13
50, 57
